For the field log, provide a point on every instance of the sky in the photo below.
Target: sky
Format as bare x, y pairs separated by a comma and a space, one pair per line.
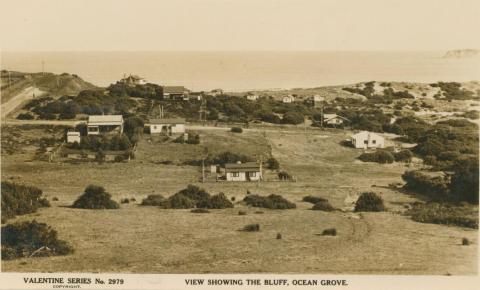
237, 25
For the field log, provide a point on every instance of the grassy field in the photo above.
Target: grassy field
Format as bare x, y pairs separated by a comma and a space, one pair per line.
138, 239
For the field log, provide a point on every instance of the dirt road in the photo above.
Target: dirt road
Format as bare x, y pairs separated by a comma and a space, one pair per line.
19, 99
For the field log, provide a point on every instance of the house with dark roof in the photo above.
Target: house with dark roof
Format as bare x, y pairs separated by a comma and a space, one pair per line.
167, 126
248, 171
175, 93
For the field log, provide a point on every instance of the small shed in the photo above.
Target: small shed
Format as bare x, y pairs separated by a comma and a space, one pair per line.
73, 137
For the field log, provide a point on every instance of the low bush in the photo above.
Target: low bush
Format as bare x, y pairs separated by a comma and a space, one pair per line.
55, 198
279, 236
323, 206
95, 197
25, 116
153, 200
242, 212
193, 196
465, 242
20, 199
217, 201
251, 228
313, 199
125, 200
434, 187
178, 201
31, 238
236, 130
272, 163
272, 201
379, 156
403, 156
369, 201
445, 213
283, 175
329, 232
200, 210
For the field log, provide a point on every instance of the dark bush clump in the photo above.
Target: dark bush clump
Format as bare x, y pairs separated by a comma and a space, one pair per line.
242, 212
379, 156
272, 201
313, 199
178, 201
283, 175
95, 197
25, 116
252, 228
125, 200
329, 232
279, 236
153, 199
323, 205
31, 238
465, 242
445, 213
55, 198
217, 201
403, 156
272, 163
236, 130
200, 210
369, 201
19, 199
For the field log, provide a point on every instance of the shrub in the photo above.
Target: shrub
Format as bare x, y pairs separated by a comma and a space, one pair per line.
125, 200
95, 197
217, 201
119, 158
279, 236
444, 213
272, 201
178, 201
200, 210
251, 228
27, 238
100, 156
292, 117
465, 242
25, 116
272, 163
403, 156
329, 232
283, 175
379, 156
435, 187
153, 199
195, 193
55, 198
19, 199
369, 201
236, 130
313, 199
323, 205
241, 212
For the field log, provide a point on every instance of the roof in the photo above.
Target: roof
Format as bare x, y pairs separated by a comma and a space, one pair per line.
100, 119
242, 167
327, 117
167, 121
73, 133
366, 134
173, 89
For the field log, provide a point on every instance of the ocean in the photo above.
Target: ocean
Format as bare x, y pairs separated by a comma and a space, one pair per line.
242, 71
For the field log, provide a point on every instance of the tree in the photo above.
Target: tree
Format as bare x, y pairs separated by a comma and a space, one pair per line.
292, 117
464, 182
272, 163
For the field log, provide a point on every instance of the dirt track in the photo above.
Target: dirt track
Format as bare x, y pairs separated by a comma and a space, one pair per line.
19, 99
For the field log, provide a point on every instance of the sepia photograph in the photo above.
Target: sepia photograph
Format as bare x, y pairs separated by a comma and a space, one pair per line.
223, 137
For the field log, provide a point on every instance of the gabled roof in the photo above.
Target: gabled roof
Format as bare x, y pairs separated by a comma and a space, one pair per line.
167, 121
100, 119
366, 134
327, 117
242, 167
173, 89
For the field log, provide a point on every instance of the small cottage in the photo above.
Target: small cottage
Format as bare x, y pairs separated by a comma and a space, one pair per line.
175, 93
248, 171
73, 137
288, 99
104, 124
334, 120
251, 97
168, 126
365, 140
133, 80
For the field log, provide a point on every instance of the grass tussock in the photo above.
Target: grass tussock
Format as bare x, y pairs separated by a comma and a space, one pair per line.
273, 201
31, 239
445, 213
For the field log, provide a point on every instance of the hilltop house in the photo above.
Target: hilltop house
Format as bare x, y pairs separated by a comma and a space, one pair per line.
288, 99
248, 171
104, 124
167, 126
252, 97
175, 93
365, 139
133, 80
334, 120
216, 92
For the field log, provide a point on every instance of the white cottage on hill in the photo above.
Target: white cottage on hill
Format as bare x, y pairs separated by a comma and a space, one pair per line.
365, 140
248, 171
167, 126
104, 124
334, 119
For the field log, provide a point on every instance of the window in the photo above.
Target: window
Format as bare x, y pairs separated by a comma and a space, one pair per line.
374, 141
154, 127
235, 174
365, 142
253, 174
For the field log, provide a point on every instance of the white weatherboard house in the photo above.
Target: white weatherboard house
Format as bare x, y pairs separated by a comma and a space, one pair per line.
288, 99
365, 139
248, 171
73, 137
333, 119
104, 124
167, 126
